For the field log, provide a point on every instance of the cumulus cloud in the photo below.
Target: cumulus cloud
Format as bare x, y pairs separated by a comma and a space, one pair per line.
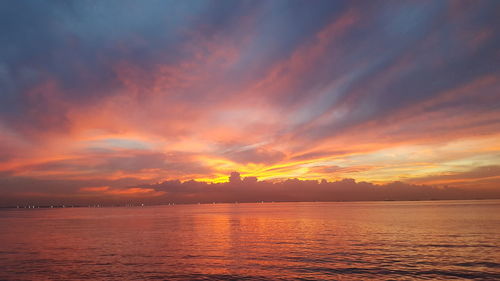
309, 190
28, 191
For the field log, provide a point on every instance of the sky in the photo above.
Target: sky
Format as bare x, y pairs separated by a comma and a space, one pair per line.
119, 99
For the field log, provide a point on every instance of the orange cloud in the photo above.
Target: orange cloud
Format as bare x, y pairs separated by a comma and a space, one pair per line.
95, 189
131, 191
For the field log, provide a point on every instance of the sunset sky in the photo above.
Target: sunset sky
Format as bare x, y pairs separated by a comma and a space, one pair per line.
106, 97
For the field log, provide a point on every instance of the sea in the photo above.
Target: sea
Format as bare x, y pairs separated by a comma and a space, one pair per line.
414, 240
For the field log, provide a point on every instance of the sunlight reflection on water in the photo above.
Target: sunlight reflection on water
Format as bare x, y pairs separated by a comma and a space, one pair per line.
313, 241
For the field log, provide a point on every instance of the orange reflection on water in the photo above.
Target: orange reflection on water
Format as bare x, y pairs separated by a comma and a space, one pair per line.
373, 240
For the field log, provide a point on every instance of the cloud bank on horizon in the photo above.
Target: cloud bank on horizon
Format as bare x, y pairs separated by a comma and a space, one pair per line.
115, 97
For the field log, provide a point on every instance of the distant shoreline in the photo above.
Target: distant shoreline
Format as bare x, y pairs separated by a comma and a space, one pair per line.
30, 207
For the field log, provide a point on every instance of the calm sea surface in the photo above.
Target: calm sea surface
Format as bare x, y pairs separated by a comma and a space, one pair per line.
270, 241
